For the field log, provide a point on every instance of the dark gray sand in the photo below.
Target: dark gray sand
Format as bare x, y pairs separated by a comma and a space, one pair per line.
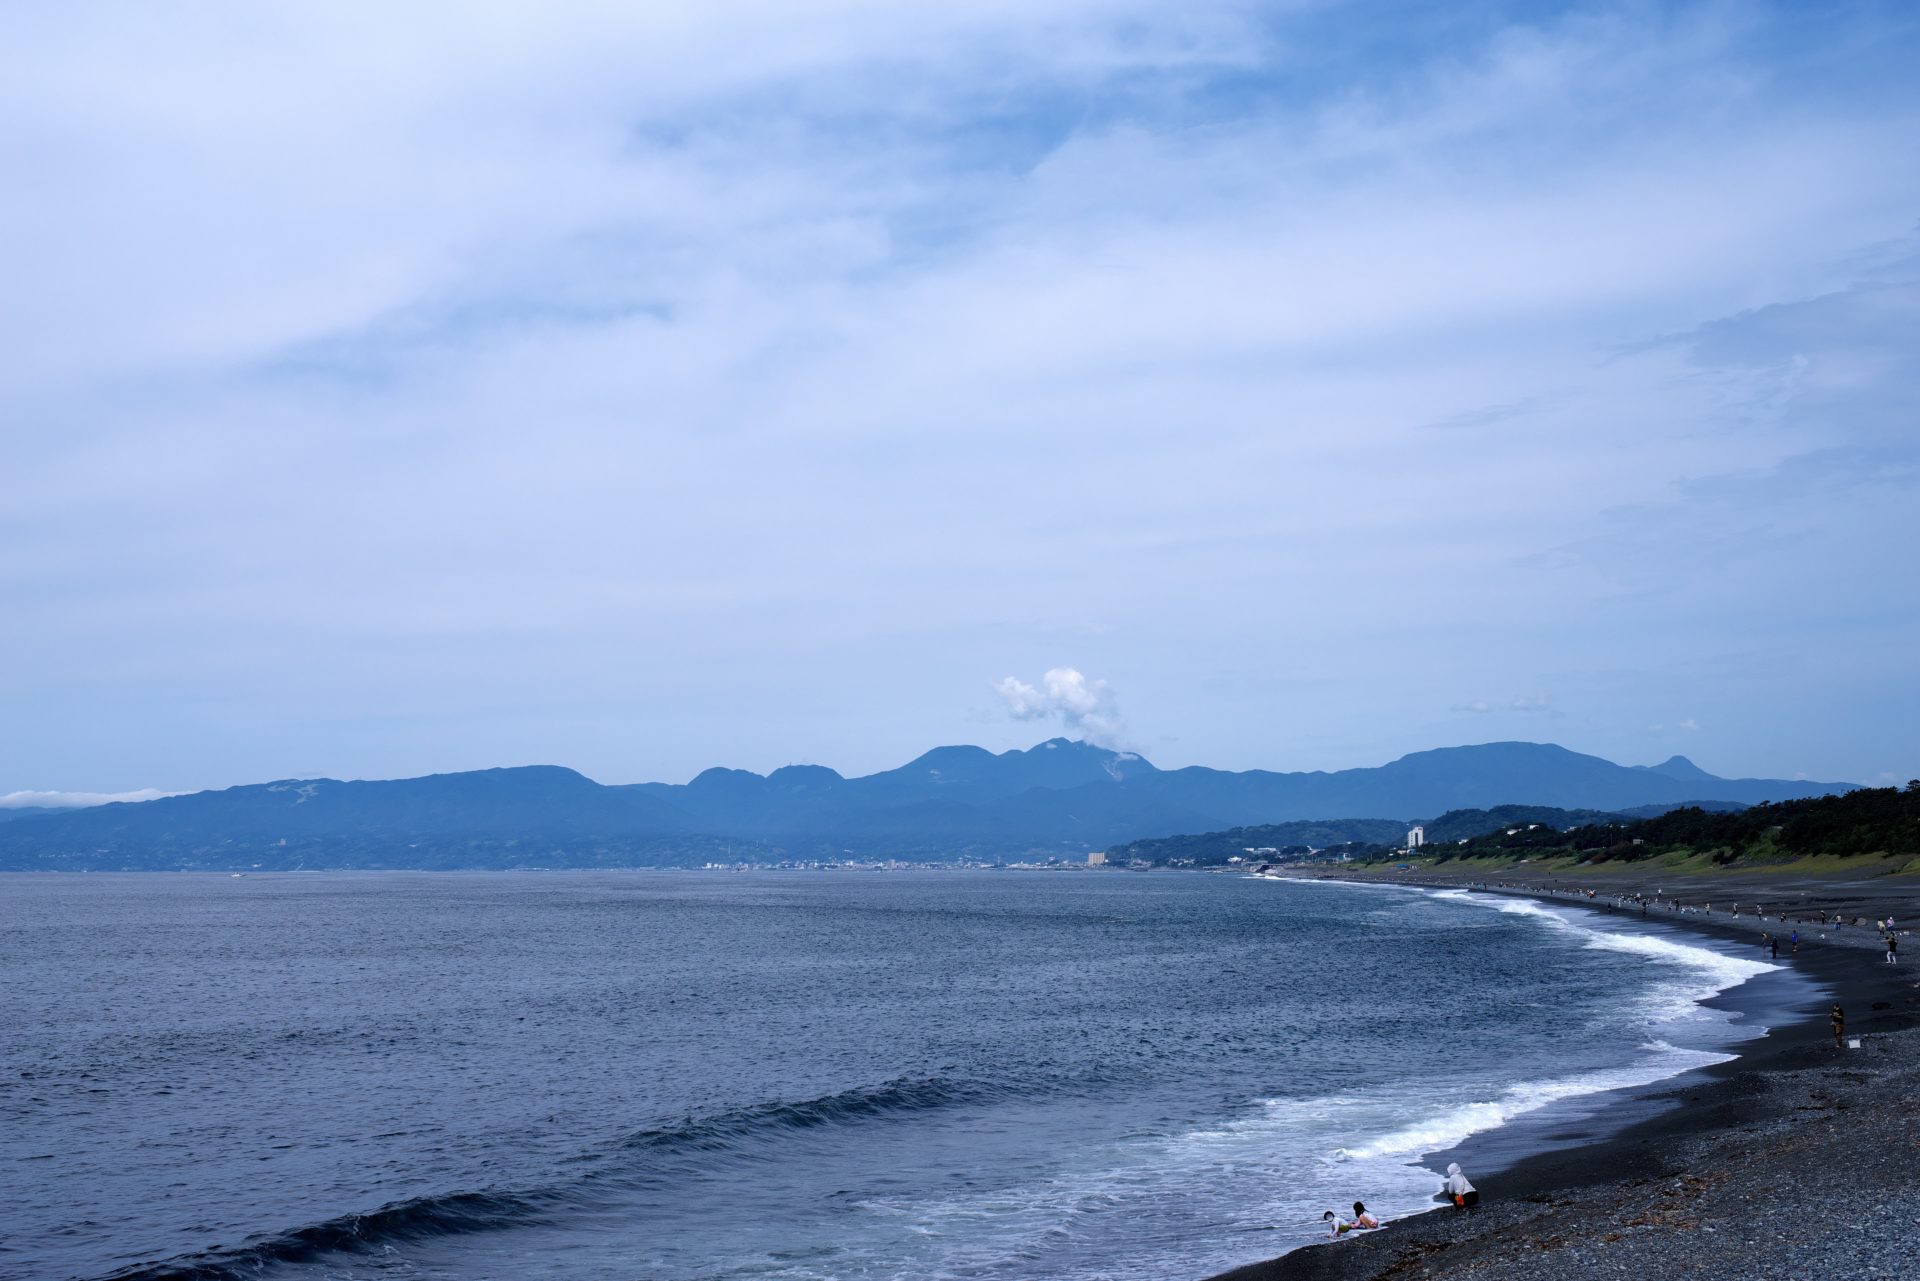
1795, 1160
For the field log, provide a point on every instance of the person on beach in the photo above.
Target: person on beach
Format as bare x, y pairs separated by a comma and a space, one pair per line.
1336, 1226
1461, 1192
1839, 1020
1893, 948
1796, 942
1361, 1219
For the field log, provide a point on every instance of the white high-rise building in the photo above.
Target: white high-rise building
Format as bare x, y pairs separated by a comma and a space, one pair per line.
1416, 837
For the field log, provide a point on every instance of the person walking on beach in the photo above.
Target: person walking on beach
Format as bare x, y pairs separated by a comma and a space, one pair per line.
1893, 947
1773, 947
1796, 942
1839, 1020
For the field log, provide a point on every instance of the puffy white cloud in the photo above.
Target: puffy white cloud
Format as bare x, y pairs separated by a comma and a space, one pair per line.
1084, 707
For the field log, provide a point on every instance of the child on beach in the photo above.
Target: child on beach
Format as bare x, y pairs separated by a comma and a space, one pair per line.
1336, 1226
1461, 1192
1361, 1219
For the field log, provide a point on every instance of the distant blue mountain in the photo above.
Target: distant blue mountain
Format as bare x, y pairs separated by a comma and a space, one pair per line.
1678, 767
1060, 797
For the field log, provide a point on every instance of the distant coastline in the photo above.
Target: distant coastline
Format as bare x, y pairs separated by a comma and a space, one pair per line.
1060, 800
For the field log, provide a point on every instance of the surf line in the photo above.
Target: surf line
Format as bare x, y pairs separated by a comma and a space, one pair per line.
1714, 972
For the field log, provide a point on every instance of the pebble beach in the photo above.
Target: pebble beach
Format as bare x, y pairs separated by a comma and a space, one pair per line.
1796, 1159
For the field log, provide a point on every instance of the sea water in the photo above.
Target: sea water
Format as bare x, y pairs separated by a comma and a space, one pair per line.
681, 1075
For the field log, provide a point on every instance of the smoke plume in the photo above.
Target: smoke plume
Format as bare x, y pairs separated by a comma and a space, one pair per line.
1085, 708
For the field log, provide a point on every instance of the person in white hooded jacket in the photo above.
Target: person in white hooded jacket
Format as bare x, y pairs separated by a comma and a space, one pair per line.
1458, 1190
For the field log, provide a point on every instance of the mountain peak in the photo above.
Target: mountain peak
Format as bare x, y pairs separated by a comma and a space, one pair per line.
798, 776
1061, 744
1679, 767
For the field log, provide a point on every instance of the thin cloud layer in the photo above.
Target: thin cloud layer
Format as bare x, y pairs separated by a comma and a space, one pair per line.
75, 800
641, 388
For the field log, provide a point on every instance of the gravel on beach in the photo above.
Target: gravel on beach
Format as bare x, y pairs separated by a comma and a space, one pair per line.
1797, 1160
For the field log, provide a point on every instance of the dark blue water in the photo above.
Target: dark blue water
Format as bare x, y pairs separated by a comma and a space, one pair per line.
706, 1075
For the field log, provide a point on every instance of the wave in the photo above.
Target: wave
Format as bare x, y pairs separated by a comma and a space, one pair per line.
1708, 973
741, 1126
460, 1213
1457, 1124
414, 1219
1727, 971
1724, 971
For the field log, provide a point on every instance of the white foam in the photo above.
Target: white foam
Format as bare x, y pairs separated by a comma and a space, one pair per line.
1719, 971
1457, 1124
1726, 971
1335, 882
1277, 1167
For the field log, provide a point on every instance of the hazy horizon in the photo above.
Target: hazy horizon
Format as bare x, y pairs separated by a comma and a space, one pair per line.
642, 389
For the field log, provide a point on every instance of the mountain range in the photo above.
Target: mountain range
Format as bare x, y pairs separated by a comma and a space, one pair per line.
1061, 797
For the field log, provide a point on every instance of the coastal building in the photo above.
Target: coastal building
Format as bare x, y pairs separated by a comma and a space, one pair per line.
1416, 837
1096, 859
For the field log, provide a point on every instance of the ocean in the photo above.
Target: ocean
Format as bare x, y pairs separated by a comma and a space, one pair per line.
688, 1076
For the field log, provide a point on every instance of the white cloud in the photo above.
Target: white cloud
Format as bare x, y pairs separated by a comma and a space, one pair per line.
1521, 704
514, 378
1084, 707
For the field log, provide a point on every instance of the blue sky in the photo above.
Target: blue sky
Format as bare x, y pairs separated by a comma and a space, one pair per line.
645, 387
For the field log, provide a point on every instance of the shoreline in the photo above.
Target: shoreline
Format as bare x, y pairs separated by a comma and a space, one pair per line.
1683, 1176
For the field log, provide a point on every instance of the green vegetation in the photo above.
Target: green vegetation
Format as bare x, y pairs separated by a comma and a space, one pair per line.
1866, 825
1353, 837
1329, 838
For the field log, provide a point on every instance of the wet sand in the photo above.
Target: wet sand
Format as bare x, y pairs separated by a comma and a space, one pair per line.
1793, 1160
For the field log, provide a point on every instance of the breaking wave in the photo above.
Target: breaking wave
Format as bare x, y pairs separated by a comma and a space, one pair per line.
625, 1162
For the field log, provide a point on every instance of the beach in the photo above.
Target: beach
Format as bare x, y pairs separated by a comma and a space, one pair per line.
1795, 1159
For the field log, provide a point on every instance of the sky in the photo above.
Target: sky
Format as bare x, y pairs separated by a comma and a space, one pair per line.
644, 387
